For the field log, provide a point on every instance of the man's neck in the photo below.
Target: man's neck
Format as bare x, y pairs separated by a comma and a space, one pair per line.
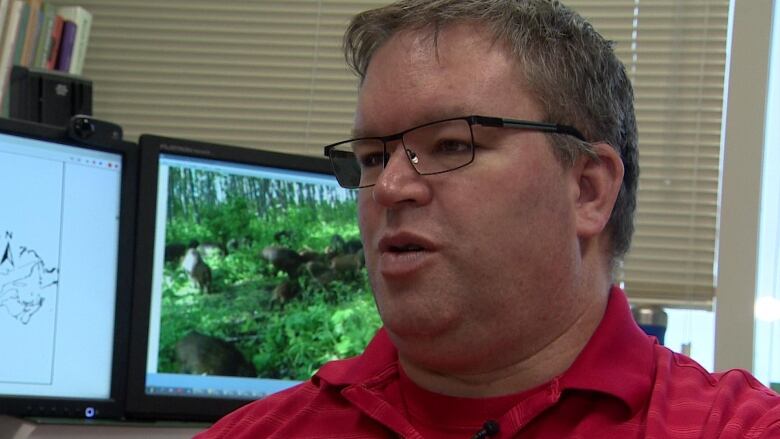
539, 368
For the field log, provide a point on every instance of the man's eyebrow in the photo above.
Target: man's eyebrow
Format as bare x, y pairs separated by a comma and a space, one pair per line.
357, 132
432, 116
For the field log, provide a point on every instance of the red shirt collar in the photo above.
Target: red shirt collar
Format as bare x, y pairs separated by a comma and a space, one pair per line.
618, 360
379, 355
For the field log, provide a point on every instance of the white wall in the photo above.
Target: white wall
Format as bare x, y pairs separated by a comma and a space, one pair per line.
744, 121
767, 330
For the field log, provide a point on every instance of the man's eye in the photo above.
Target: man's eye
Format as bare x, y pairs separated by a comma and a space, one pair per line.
370, 160
453, 146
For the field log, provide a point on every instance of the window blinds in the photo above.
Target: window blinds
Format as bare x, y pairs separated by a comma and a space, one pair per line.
677, 65
271, 75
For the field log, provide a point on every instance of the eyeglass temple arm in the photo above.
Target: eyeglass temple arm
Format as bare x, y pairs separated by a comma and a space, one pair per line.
539, 126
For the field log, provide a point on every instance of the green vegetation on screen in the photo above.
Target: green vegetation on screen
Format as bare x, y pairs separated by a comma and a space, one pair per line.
285, 321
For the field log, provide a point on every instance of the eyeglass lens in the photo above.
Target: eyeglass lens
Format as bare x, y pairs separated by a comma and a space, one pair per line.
431, 149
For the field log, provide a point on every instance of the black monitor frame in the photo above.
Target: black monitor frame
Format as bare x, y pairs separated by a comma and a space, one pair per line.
105, 141
140, 404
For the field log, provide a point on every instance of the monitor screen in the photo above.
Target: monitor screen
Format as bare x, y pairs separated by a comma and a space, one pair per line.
65, 265
251, 276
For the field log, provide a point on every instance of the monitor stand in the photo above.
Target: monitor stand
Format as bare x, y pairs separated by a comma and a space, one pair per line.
65, 428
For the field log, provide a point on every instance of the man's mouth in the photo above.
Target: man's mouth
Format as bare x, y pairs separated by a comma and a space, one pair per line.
406, 248
404, 243
404, 253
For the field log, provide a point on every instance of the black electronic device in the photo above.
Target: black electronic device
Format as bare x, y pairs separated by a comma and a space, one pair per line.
48, 96
66, 263
249, 277
88, 130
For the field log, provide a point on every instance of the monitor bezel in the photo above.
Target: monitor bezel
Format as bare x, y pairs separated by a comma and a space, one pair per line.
186, 408
113, 406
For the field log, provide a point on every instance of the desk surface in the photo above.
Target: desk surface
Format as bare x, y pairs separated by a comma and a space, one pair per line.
17, 428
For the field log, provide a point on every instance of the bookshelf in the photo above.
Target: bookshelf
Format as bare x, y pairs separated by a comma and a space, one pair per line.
40, 35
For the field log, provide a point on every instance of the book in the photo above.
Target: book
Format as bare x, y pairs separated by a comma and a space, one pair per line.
66, 46
53, 49
4, 4
47, 15
21, 33
83, 20
33, 27
7, 54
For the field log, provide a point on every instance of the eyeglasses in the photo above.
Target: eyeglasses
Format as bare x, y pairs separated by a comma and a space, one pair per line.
432, 148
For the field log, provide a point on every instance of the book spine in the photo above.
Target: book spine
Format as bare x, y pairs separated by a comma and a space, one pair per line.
53, 51
7, 54
33, 27
66, 46
4, 5
21, 33
83, 20
44, 36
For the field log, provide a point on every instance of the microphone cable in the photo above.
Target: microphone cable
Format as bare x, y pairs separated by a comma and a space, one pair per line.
489, 428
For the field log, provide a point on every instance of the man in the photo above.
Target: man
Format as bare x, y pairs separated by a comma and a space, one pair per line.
496, 162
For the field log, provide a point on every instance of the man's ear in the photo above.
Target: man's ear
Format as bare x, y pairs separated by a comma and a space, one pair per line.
598, 183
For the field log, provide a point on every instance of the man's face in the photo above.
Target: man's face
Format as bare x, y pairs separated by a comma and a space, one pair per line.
473, 266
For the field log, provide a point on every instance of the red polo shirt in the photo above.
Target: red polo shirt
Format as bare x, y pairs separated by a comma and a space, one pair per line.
622, 385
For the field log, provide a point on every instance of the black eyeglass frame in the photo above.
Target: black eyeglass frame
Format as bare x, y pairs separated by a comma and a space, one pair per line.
488, 121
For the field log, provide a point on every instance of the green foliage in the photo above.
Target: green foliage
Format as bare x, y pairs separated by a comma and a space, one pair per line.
227, 220
315, 331
284, 337
183, 231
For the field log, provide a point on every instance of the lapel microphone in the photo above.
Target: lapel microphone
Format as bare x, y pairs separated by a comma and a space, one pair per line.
489, 428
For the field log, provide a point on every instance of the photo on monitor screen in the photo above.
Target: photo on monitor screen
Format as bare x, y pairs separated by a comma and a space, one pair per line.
258, 276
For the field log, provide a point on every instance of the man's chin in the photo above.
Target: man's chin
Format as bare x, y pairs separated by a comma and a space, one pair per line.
429, 346
406, 325
414, 332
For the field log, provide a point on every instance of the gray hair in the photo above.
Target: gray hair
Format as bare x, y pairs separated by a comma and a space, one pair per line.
572, 71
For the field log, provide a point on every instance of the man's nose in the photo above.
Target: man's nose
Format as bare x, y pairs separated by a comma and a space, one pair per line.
399, 182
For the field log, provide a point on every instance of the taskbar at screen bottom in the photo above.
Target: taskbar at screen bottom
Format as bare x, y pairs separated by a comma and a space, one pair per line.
208, 386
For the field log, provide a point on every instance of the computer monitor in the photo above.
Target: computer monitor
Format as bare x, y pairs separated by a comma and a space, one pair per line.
67, 213
250, 276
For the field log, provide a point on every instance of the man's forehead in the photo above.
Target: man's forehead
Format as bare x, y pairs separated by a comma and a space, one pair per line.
440, 43
364, 127
411, 80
